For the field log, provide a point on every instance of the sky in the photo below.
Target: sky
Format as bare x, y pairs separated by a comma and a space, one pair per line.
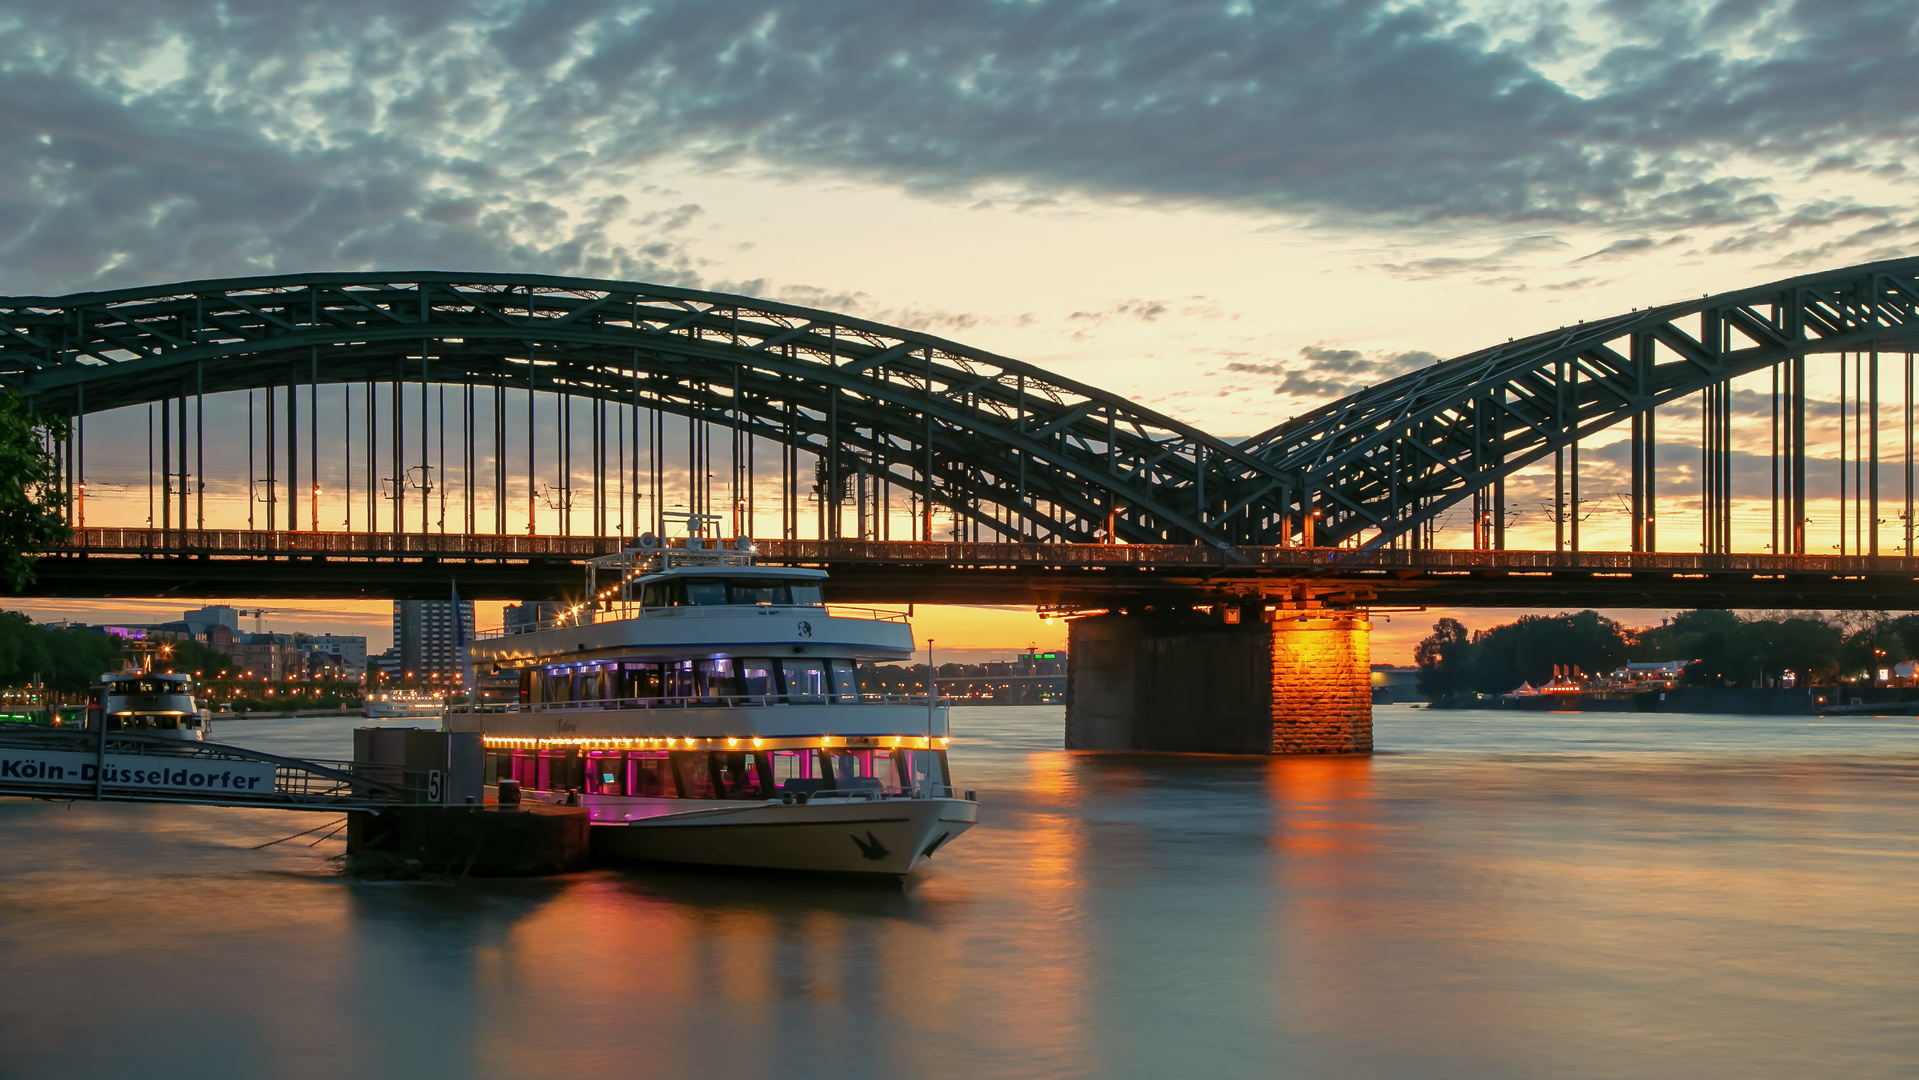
1231, 212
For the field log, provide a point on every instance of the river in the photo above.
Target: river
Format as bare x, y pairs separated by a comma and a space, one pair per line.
1493, 895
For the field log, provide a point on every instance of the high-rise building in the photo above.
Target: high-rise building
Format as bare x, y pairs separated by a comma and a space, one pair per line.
348, 651
423, 634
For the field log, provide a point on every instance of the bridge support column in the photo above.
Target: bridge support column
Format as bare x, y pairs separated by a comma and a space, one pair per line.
1292, 682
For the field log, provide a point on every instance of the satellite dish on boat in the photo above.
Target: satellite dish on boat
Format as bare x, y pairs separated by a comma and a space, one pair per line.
693, 543
648, 541
743, 543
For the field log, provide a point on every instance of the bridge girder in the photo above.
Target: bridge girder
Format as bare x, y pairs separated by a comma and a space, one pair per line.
1018, 449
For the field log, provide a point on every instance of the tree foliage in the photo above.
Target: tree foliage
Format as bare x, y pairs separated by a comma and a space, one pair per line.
1727, 650
32, 506
191, 656
1443, 657
65, 659
1722, 648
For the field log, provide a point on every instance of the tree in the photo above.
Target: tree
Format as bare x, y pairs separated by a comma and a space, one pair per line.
1443, 658
65, 659
32, 506
190, 656
1527, 649
1726, 650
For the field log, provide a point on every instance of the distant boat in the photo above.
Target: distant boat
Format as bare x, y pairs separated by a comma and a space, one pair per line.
402, 703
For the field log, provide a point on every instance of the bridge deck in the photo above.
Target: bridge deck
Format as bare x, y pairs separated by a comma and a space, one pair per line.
228, 562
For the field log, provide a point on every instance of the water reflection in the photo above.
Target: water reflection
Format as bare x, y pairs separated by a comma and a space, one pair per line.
1499, 896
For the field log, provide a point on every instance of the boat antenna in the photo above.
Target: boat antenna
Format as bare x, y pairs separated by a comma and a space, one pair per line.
932, 693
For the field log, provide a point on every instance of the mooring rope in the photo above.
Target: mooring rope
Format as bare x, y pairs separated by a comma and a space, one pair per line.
303, 832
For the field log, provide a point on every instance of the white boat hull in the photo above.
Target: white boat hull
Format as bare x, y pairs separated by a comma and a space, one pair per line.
841, 836
387, 710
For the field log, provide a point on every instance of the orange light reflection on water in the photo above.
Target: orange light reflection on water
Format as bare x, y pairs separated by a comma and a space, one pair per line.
1322, 803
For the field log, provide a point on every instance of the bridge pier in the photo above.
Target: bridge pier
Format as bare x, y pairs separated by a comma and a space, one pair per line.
1270, 682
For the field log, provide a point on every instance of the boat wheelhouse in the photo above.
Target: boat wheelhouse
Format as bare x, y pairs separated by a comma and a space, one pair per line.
711, 711
149, 703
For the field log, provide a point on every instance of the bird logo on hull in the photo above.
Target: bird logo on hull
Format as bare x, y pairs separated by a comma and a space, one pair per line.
871, 846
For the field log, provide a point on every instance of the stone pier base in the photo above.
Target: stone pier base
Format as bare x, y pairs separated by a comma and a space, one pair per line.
1284, 682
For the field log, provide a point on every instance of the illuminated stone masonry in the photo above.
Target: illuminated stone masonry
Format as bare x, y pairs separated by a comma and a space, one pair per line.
1322, 697
1293, 681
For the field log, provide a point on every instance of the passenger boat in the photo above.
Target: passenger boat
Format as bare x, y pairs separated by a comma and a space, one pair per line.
715, 716
148, 703
402, 703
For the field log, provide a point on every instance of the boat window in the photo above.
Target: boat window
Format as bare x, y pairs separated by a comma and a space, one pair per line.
854, 769
650, 773
759, 592
738, 775
706, 592
923, 769
805, 679
805, 593
556, 770
793, 765
846, 680
662, 594
151, 686
520, 766
848, 766
146, 722
696, 773
756, 678
719, 678
606, 772
639, 680
677, 679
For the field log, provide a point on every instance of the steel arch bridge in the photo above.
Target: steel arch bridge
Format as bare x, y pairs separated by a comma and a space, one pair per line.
1009, 450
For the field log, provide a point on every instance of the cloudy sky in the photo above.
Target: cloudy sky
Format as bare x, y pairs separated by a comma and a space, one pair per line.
1231, 211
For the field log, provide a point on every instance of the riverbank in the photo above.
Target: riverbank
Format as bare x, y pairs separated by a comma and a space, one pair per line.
1814, 701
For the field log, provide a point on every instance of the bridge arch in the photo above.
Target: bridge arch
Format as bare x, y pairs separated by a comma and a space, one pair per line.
1381, 463
1009, 450
1013, 450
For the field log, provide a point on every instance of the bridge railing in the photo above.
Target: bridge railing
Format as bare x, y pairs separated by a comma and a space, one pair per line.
695, 701
243, 543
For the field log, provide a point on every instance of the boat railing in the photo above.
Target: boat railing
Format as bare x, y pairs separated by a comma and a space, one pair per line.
841, 611
877, 791
616, 612
696, 701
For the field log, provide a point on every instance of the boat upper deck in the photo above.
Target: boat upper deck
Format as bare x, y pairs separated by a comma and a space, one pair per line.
682, 604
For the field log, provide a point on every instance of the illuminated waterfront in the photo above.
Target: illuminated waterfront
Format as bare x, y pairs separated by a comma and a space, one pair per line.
1503, 894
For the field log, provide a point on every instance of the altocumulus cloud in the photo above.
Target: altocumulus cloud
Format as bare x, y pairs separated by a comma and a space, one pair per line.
1325, 371
182, 137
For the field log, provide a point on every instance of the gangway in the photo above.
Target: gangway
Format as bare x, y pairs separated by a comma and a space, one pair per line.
80, 764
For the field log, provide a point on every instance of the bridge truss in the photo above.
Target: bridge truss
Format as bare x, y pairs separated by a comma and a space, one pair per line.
1385, 462
860, 414
976, 443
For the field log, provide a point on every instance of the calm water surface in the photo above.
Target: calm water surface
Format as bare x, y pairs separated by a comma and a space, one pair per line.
1498, 895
